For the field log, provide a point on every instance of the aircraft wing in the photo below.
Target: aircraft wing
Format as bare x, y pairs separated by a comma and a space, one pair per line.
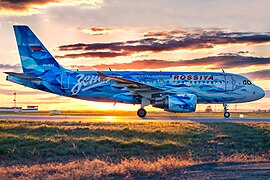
131, 85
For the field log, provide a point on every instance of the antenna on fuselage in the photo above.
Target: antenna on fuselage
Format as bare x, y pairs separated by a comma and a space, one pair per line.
223, 71
110, 69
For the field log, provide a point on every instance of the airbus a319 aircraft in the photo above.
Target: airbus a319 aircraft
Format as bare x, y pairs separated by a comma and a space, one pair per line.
171, 91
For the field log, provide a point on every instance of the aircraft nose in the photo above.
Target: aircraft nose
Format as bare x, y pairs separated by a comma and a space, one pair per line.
260, 93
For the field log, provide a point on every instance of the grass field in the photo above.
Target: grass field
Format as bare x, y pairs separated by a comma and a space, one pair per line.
122, 149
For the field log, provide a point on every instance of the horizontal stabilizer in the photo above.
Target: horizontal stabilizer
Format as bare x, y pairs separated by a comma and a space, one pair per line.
23, 76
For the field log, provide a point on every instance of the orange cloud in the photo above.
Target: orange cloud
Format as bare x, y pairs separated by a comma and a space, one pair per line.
101, 30
23, 4
165, 33
29, 7
96, 30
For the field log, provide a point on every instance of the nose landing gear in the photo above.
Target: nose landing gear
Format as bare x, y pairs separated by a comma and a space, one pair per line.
226, 113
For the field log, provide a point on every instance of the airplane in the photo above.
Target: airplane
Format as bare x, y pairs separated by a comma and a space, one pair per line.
177, 92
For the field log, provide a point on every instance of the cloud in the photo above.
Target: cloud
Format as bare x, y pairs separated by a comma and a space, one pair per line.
8, 85
29, 7
15, 67
42, 102
94, 55
155, 42
100, 30
238, 53
1, 85
54, 98
267, 94
214, 63
165, 33
18, 92
259, 75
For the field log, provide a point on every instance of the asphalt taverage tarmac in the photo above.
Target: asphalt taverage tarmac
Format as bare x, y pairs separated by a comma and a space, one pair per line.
129, 118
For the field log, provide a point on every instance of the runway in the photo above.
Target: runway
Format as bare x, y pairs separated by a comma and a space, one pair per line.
129, 119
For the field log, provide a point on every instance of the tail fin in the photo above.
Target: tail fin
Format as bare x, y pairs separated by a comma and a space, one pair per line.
35, 58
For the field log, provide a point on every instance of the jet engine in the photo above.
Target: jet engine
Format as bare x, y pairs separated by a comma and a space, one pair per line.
177, 103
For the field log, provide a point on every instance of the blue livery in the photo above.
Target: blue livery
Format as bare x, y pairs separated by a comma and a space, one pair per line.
171, 91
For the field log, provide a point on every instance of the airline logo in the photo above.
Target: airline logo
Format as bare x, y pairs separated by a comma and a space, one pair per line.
193, 77
84, 83
35, 47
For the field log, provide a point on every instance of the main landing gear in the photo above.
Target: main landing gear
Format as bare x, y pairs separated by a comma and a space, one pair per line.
226, 113
142, 112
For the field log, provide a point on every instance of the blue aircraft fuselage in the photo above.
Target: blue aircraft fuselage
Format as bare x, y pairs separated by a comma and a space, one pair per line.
171, 91
209, 87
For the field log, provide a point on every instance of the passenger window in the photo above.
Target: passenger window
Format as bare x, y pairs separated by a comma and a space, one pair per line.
248, 82
244, 82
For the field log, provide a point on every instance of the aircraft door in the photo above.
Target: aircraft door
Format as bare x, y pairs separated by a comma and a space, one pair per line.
228, 82
65, 80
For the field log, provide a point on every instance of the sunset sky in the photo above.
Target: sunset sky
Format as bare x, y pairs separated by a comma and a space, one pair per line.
168, 35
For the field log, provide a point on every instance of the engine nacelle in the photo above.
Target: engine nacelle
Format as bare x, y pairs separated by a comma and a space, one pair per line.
178, 103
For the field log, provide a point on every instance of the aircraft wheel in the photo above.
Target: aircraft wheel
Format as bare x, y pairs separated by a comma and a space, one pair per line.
141, 112
227, 114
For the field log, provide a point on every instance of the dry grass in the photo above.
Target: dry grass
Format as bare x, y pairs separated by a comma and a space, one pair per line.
126, 168
241, 157
85, 169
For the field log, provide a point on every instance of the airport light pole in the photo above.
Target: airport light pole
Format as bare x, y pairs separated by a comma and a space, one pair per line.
14, 101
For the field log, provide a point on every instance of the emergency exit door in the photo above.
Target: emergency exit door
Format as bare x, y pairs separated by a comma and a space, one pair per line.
228, 82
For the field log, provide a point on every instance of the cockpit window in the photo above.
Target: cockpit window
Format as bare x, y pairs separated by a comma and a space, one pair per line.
247, 82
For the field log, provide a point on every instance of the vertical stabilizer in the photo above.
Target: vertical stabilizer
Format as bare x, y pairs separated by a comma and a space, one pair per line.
35, 58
